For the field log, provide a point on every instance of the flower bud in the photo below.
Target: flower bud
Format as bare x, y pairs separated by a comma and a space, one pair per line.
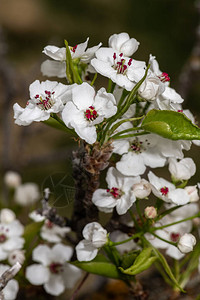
192, 192
182, 170
12, 179
151, 88
16, 256
142, 189
186, 243
150, 212
7, 216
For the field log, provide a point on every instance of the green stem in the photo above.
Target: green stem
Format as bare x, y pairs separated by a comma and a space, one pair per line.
164, 240
137, 235
134, 219
176, 269
174, 223
93, 80
139, 211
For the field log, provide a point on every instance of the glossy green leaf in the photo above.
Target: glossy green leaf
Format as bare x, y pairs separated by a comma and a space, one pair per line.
129, 258
170, 124
99, 266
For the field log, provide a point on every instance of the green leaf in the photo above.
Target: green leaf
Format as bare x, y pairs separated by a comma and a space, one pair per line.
142, 262
167, 268
31, 232
99, 266
170, 124
129, 258
71, 72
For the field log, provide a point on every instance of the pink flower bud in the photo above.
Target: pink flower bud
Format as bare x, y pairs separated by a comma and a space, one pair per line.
150, 212
192, 192
186, 243
142, 189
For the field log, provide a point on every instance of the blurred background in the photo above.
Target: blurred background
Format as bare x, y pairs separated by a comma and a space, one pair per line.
168, 29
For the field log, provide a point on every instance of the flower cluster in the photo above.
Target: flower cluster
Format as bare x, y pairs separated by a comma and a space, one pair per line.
135, 125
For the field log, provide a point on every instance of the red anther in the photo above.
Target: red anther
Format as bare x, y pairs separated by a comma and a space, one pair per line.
164, 190
174, 237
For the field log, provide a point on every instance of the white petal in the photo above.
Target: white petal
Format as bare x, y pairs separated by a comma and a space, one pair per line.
124, 203
71, 275
131, 164
83, 96
11, 290
88, 134
53, 68
37, 274
55, 285
55, 52
179, 196
61, 253
42, 254
85, 251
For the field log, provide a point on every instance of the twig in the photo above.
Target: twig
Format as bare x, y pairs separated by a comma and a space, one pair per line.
7, 276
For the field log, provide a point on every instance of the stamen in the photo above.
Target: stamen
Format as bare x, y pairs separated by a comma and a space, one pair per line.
174, 237
136, 146
120, 64
115, 192
91, 113
164, 190
74, 48
164, 77
46, 101
3, 238
56, 268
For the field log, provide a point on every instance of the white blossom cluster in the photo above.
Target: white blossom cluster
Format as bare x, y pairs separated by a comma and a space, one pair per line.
87, 111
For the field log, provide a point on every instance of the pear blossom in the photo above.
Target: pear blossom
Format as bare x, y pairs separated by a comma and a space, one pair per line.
12, 287
16, 256
140, 152
167, 191
85, 110
45, 98
27, 194
186, 243
35, 216
183, 169
151, 88
53, 233
141, 189
12, 179
123, 43
118, 194
10, 238
52, 270
172, 234
122, 70
95, 236
58, 67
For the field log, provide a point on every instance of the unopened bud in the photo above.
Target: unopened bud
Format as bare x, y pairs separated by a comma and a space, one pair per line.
16, 256
12, 179
192, 192
142, 189
186, 243
7, 216
150, 212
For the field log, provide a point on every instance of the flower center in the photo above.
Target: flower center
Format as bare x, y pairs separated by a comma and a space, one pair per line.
3, 238
91, 113
180, 110
115, 192
120, 64
164, 190
49, 224
46, 101
73, 49
56, 268
136, 146
164, 77
174, 237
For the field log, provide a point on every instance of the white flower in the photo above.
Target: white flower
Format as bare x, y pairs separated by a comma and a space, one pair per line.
58, 67
12, 179
45, 98
94, 238
183, 169
118, 194
166, 191
10, 238
122, 70
186, 243
151, 88
16, 256
192, 192
123, 43
35, 216
141, 189
86, 109
141, 152
11, 289
7, 216
53, 233
172, 234
53, 271
27, 194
